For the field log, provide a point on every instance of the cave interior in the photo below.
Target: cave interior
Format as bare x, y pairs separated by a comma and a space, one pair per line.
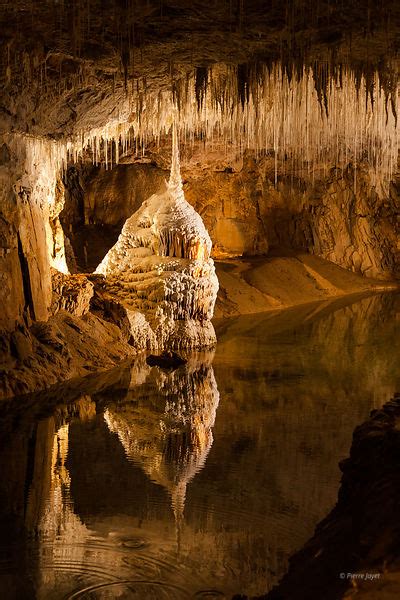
172, 173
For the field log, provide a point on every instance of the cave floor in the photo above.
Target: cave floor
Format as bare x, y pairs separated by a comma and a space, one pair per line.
284, 279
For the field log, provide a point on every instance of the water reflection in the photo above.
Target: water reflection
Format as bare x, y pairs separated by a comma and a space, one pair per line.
293, 387
49, 510
54, 534
165, 424
132, 487
163, 419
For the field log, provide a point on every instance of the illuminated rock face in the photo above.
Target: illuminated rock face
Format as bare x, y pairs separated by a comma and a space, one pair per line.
160, 270
31, 238
71, 293
353, 226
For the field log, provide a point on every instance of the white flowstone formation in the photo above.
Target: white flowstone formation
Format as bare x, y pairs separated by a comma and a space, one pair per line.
160, 270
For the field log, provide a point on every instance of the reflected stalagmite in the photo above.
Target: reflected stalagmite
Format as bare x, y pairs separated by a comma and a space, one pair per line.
165, 425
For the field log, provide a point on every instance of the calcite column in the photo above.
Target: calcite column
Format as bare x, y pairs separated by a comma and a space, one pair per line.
161, 273
28, 170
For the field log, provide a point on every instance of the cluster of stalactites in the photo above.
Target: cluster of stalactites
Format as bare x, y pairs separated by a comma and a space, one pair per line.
303, 121
312, 119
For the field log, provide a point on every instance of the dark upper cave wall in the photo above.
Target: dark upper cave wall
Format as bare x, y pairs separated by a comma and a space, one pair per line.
351, 224
28, 206
66, 66
97, 203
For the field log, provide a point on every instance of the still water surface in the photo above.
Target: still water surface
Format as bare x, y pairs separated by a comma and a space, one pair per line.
196, 483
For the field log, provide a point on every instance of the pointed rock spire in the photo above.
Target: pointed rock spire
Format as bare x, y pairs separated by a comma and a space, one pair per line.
175, 179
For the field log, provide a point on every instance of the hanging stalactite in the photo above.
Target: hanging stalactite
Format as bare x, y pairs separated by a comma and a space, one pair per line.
311, 120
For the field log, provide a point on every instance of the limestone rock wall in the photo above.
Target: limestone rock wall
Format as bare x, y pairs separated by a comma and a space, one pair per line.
230, 204
25, 290
71, 293
117, 184
353, 223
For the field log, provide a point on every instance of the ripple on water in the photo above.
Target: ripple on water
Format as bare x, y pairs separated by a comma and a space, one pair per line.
152, 560
103, 569
96, 544
135, 543
210, 594
144, 565
138, 588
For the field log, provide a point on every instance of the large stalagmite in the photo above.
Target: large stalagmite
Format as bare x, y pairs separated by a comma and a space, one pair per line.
161, 272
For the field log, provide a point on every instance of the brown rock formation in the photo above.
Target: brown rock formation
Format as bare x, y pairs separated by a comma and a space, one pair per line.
356, 538
64, 347
71, 293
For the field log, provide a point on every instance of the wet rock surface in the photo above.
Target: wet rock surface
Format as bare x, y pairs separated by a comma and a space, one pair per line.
64, 347
361, 534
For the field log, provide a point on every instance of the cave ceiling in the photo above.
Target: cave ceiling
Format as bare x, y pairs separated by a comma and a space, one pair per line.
66, 66
296, 78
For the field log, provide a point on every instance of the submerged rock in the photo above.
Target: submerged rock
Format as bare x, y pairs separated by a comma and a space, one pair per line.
166, 360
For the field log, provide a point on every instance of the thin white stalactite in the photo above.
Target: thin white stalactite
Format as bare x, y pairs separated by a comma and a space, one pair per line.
281, 117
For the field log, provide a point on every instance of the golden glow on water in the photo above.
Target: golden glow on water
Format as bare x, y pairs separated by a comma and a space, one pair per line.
166, 484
